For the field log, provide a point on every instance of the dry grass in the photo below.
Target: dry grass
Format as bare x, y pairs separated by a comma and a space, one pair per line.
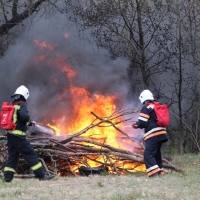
184, 186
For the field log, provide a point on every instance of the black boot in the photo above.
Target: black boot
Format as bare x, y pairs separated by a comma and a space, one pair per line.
8, 176
46, 177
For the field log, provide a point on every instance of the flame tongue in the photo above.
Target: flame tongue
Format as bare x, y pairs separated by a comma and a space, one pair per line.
83, 103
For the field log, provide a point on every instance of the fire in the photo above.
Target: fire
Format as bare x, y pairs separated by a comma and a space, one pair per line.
83, 103
100, 105
44, 45
66, 35
60, 63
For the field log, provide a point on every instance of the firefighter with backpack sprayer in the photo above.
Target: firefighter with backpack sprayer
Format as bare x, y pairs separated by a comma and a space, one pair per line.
17, 142
154, 135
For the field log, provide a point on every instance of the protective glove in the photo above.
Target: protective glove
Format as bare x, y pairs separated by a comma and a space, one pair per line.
134, 125
33, 123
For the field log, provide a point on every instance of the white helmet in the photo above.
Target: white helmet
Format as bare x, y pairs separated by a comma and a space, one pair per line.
22, 90
146, 95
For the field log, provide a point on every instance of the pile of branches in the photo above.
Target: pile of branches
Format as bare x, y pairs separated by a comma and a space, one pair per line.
73, 155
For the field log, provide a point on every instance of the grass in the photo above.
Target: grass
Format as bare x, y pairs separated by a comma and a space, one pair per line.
173, 186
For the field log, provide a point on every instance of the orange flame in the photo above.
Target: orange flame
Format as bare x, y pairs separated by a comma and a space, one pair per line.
101, 105
44, 45
83, 104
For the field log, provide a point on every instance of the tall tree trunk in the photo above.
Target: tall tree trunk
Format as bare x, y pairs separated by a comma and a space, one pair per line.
181, 133
141, 45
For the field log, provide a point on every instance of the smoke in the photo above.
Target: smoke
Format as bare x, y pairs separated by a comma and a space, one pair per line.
36, 67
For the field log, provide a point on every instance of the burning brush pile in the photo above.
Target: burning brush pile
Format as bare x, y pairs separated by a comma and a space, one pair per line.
87, 135
85, 152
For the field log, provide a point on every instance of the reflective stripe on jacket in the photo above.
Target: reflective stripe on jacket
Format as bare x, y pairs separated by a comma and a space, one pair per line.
21, 118
147, 120
17, 107
17, 132
154, 132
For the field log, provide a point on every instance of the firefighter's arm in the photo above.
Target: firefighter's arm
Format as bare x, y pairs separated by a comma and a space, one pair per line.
23, 113
143, 118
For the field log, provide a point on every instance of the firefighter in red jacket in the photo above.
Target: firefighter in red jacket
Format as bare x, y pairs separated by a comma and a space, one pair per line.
154, 136
17, 142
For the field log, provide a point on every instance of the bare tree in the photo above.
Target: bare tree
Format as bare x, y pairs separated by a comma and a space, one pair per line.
192, 27
185, 94
135, 29
158, 37
13, 13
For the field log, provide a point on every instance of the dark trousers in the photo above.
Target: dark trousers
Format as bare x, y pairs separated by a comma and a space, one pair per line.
20, 145
152, 153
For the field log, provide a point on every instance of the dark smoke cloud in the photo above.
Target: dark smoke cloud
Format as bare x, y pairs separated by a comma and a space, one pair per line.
95, 70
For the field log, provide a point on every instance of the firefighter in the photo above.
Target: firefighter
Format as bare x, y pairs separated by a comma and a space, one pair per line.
16, 140
154, 136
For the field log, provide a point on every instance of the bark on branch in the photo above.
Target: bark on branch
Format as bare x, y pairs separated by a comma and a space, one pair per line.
16, 17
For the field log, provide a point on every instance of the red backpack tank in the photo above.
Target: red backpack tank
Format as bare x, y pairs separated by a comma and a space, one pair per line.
6, 116
162, 114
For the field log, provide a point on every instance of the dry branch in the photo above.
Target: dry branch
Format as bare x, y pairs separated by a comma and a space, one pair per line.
66, 157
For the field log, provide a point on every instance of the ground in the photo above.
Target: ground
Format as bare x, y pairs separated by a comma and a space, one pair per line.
179, 186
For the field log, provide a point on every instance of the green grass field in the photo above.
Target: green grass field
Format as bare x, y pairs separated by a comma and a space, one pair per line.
173, 186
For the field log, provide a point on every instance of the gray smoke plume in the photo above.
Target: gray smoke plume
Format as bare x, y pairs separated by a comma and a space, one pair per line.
36, 67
